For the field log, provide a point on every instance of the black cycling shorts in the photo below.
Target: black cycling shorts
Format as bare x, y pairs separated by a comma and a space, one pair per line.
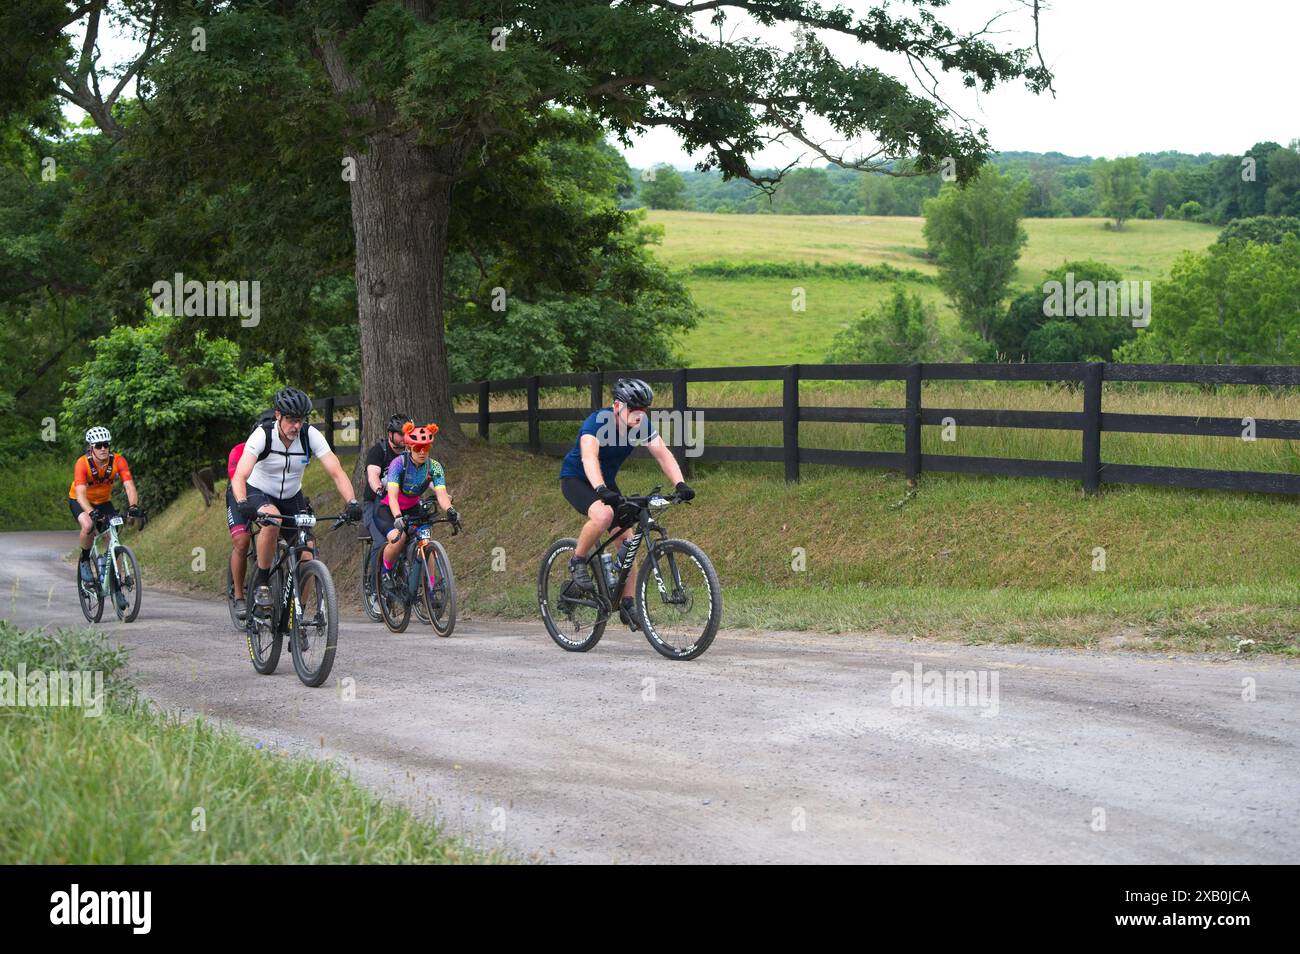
288, 506
235, 521
102, 511
581, 494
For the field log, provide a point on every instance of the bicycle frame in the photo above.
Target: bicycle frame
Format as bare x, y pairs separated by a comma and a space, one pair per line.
646, 526
289, 557
113, 543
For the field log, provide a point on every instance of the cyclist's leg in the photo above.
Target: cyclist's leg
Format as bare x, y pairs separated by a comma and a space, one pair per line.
238, 544
264, 544
85, 523
289, 507
376, 538
384, 525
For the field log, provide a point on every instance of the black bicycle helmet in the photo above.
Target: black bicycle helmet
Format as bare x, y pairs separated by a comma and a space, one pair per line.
396, 421
293, 402
633, 392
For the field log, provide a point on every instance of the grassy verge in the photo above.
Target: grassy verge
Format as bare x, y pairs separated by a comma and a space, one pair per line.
973, 559
36, 496
135, 787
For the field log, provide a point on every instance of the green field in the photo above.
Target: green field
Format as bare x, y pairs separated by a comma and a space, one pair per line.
750, 320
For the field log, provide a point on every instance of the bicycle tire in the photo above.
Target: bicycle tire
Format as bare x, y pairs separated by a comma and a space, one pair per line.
443, 622
128, 613
368, 600
547, 601
262, 635
670, 548
90, 598
313, 676
395, 606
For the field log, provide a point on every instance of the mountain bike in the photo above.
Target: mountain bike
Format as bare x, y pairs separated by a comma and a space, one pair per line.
304, 606
115, 572
369, 601
422, 574
679, 615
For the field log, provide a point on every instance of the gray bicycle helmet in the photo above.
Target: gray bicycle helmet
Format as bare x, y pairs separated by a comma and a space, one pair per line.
633, 392
293, 402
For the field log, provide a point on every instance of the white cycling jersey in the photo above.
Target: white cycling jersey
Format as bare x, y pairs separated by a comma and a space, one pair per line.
279, 475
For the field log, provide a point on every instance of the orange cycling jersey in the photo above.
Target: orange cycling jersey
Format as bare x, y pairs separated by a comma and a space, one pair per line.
98, 483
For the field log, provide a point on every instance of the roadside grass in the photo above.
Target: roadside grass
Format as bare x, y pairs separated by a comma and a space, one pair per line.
136, 787
979, 559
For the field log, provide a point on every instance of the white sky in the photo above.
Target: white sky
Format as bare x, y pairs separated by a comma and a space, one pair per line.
1131, 76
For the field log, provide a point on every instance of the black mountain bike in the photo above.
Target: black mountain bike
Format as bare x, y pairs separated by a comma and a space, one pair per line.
303, 603
369, 601
678, 600
421, 575
115, 574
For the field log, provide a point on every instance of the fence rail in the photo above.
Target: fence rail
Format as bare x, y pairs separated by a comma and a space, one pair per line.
1091, 422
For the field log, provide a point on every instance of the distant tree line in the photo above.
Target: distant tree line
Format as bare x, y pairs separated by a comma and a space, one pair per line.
1265, 180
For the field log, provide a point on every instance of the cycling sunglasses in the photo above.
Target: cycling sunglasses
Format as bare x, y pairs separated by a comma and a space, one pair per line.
102, 445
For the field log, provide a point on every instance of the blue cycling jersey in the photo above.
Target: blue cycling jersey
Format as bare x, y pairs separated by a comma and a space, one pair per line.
616, 443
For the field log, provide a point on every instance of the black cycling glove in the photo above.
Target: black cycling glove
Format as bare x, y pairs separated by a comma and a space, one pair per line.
609, 497
684, 492
353, 511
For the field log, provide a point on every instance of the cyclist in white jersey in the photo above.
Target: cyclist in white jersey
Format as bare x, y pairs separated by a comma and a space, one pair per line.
268, 478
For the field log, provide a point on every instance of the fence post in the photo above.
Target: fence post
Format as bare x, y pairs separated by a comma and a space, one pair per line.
534, 425
328, 429
912, 425
790, 422
597, 391
679, 426
484, 403
1092, 377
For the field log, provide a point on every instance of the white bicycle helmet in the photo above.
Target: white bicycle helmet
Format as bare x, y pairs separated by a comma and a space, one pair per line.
97, 434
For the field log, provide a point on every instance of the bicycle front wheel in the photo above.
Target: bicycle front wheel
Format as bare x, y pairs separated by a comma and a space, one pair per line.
394, 602
125, 584
315, 623
262, 633
89, 595
440, 595
679, 599
368, 573
572, 617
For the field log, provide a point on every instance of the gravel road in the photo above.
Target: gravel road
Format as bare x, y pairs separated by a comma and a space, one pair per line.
772, 747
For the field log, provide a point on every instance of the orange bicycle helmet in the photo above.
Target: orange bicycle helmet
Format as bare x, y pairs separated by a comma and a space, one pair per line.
419, 436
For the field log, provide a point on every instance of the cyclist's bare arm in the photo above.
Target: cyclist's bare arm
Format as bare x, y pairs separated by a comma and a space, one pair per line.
342, 483
374, 477
667, 462
591, 459
444, 498
82, 498
239, 481
132, 498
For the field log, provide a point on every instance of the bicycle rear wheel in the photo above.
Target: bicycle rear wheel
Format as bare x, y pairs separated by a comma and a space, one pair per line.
440, 598
572, 617
89, 595
125, 584
681, 609
315, 623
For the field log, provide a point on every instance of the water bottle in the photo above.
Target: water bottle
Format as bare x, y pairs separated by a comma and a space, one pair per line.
103, 565
607, 562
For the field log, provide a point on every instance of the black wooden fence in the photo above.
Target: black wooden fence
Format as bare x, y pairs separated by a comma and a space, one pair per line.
1091, 422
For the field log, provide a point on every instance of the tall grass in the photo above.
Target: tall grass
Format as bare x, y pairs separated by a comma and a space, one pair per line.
137, 787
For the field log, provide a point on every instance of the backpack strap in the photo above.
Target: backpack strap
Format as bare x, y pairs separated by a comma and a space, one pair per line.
304, 436
95, 478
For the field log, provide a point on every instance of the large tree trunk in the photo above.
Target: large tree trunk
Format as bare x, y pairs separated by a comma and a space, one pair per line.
401, 204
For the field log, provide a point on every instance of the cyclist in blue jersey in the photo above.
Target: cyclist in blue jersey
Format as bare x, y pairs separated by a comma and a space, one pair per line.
589, 471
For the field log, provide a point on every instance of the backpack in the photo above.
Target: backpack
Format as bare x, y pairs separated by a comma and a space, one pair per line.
304, 436
95, 477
